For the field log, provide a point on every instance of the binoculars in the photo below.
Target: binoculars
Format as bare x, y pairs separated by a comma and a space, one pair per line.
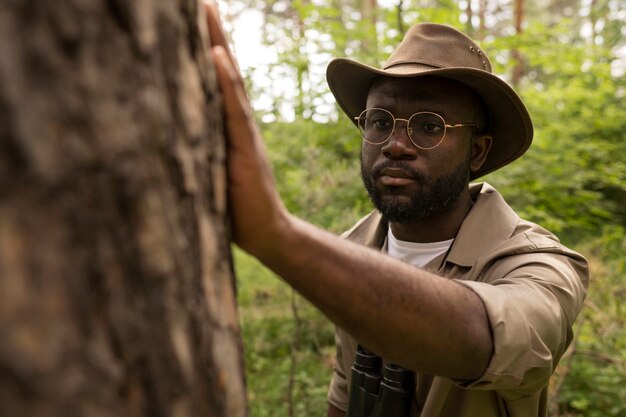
373, 394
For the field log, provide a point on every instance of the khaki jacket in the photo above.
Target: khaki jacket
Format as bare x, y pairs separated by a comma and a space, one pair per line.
533, 289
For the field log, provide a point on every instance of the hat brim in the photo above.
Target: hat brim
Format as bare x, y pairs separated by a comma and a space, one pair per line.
511, 126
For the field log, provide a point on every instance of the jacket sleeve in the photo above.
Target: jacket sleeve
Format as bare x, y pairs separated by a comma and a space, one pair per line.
531, 301
338, 392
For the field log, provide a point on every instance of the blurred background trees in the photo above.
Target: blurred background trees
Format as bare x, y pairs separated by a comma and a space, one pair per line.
567, 59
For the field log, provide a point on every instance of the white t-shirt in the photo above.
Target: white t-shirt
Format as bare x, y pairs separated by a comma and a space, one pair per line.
416, 254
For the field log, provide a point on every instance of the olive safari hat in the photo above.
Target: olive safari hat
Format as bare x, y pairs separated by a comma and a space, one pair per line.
433, 49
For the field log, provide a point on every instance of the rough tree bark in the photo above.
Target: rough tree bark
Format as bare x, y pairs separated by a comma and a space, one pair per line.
116, 291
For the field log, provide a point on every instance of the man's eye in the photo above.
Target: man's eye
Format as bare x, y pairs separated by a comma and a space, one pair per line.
432, 127
380, 123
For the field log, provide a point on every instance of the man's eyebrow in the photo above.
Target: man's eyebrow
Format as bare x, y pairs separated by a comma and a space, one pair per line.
395, 96
391, 102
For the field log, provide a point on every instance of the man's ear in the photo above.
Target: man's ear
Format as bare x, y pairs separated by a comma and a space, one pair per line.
481, 144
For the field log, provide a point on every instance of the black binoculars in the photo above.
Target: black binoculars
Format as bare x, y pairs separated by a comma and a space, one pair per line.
376, 395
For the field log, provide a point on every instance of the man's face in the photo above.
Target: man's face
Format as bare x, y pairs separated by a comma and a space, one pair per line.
408, 184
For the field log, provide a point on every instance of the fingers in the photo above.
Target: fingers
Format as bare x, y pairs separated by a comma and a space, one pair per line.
214, 23
237, 109
236, 105
216, 32
231, 84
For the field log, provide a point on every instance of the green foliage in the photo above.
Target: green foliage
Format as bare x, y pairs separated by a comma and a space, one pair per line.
317, 171
570, 180
594, 376
272, 341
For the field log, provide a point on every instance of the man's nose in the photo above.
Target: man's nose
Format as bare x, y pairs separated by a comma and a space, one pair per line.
399, 145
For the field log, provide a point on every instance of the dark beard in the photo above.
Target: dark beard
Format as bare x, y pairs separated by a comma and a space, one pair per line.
438, 195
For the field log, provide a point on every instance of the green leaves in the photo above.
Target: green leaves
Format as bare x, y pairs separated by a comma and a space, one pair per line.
317, 171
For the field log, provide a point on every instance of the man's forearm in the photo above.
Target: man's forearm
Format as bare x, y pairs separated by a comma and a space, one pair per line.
407, 315
334, 411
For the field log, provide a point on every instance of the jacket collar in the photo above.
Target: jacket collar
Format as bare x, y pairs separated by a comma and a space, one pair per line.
489, 223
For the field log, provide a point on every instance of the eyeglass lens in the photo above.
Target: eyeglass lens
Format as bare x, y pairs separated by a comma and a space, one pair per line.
426, 130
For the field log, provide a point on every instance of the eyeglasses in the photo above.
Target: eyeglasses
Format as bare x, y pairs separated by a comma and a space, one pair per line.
425, 129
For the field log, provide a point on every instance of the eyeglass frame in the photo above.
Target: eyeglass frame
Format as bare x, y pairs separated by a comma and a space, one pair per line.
393, 128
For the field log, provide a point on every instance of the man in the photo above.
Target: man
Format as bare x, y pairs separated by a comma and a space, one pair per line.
477, 301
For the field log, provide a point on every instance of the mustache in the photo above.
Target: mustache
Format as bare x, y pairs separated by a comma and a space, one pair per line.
378, 169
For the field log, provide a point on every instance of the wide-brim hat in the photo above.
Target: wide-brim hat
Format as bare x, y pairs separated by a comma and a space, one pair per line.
433, 49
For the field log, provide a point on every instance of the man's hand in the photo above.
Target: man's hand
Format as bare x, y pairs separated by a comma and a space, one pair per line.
257, 212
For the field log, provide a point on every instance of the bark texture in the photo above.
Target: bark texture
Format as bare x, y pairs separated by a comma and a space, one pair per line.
116, 290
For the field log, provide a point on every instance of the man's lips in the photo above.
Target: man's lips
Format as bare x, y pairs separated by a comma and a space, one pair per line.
395, 177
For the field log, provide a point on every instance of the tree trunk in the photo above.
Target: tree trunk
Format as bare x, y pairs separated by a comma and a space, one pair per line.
518, 58
399, 17
482, 25
469, 12
369, 19
116, 289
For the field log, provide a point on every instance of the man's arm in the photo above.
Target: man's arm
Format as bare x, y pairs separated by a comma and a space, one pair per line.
334, 411
412, 317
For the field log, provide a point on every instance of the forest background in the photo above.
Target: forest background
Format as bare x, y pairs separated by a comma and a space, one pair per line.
566, 58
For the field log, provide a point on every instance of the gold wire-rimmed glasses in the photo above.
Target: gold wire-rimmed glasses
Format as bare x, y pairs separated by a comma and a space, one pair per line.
426, 130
